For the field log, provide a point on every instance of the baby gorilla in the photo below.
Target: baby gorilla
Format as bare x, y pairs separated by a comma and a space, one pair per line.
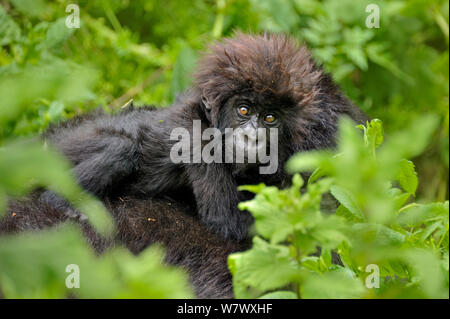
248, 82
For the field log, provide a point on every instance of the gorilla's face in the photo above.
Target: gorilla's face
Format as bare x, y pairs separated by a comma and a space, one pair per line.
269, 82
257, 121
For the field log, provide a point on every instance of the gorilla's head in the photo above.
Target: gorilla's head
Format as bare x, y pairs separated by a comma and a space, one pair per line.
270, 81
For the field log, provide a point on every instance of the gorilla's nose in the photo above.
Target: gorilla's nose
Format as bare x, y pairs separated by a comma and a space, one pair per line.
254, 122
250, 133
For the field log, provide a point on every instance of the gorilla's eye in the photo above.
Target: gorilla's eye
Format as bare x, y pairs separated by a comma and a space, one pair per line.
243, 110
270, 119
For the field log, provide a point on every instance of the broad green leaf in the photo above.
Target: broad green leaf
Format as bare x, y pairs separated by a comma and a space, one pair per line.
347, 199
326, 256
331, 285
407, 177
378, 234
344, 212
271, 221
264, 267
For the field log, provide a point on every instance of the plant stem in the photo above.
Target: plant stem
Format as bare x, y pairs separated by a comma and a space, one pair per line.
220, 17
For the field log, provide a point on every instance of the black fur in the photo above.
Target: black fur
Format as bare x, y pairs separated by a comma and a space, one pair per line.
140, 223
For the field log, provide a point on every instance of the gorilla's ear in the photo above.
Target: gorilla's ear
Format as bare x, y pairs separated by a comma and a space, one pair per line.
206, 103
207, 108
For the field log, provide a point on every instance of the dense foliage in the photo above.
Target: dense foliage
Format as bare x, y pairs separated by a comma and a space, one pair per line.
376, 230
145, 50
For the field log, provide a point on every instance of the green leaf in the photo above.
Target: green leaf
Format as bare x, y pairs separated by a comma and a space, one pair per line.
302, 162
347, 199
357, 56
378, 234
373, 134
57, 34
407, 177
399, 197
344, 212
318, 173
256, 189
30, 7
326, 256
332, 285
271, 221
376, 53
430, 229
283, 294
9, 30
264, 267
400, 143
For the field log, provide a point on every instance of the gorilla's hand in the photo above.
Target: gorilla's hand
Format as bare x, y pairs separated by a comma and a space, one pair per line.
216, 194
60, 204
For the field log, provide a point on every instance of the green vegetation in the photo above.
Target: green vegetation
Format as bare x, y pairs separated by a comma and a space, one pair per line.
375, 224
389, 215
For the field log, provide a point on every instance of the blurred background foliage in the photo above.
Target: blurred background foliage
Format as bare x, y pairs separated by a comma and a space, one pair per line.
146, 50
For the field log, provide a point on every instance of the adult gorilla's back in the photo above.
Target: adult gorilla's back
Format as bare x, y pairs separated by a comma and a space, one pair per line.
139, 224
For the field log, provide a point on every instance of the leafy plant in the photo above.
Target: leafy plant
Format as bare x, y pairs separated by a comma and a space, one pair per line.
35, 266
376, 226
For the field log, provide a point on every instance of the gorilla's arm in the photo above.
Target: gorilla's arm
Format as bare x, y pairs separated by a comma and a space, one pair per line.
102, 151
105, 150
216, 195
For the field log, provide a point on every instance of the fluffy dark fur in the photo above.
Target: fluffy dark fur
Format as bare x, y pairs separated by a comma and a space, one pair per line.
140, 223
